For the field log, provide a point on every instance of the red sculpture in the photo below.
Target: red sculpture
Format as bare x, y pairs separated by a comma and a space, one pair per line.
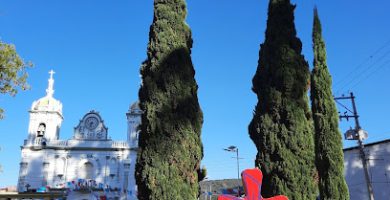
252, 179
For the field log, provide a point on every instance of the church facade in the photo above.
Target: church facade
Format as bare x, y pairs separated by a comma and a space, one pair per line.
87, 166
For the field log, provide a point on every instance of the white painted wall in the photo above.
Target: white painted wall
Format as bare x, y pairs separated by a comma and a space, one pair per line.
378, 155
57, 162
60, 162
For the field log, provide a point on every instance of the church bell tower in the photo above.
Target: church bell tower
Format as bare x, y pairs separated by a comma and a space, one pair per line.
45, 116
133, 123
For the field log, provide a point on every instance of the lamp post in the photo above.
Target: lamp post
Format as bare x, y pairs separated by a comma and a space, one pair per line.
235, 149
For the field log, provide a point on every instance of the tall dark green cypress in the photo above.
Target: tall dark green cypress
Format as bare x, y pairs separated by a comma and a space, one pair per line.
281, 128
170, 148
328, 141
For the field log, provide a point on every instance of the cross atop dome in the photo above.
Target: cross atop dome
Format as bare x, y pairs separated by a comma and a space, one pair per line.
50, 87
51, 72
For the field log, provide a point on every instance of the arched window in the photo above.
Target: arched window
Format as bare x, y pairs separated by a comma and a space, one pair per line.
41, 130
88, 170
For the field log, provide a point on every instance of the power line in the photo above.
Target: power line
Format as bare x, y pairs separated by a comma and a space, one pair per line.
364, 71
363, 63
345, 107
370, 74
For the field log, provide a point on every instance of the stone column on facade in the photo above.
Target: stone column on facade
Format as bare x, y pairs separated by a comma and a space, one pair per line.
105, 171
66, 167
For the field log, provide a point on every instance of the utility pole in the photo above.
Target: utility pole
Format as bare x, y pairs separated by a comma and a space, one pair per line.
235, 149
238, 165
357, 134
238, 174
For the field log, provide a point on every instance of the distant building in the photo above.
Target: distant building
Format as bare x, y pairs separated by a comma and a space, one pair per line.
378, 156
11, 188
88, 166
210, 189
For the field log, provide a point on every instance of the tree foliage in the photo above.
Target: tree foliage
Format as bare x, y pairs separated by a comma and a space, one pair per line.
281, 128
202, 173
328, 141
170, 147
13, 73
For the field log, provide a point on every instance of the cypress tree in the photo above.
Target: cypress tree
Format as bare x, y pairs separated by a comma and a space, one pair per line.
170, 147
281, 128
328, 141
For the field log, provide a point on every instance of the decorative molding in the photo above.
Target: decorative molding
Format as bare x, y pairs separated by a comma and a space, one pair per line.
91, 127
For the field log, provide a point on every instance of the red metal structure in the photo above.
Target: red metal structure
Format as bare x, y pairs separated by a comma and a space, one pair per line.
252, 179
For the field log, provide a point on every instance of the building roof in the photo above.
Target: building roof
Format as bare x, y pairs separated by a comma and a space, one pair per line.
47, 103
367, 145
135, 106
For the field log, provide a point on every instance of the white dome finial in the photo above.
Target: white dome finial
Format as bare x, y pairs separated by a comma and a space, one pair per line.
48, 102
50, 90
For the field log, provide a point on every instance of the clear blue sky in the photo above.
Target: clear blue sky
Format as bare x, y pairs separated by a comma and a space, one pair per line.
96, 48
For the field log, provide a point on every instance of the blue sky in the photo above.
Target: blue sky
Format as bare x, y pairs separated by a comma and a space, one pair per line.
96, 48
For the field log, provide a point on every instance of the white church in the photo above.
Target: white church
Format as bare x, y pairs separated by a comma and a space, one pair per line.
87, 166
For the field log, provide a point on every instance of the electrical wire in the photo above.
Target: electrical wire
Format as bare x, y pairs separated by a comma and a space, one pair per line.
345, 107
357, 78
359, 66
370, 74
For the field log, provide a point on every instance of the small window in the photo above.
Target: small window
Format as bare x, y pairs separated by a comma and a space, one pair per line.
41, 130
127, 165
23, 169
126, 184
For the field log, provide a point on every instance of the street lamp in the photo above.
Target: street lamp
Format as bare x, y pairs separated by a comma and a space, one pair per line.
235, 149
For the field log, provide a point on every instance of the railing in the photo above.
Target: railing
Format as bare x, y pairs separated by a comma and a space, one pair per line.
120, 144
40, 142
59, 143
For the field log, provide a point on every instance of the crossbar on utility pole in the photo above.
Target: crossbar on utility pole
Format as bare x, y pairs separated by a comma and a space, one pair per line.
360, 143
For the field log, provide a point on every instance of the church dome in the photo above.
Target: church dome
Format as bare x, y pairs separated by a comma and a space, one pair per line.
48, 102
135, 106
